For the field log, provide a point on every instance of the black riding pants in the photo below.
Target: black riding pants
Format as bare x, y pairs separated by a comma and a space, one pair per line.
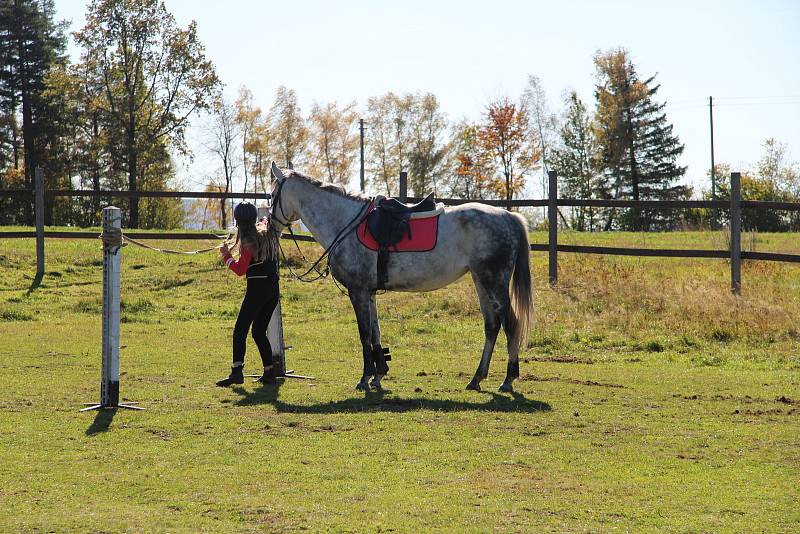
257, 308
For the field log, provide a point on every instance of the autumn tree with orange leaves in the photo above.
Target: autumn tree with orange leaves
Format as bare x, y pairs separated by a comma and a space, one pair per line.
506, 136
473, 169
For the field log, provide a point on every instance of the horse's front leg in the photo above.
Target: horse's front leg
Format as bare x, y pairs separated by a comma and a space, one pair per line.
361, 306
381, 368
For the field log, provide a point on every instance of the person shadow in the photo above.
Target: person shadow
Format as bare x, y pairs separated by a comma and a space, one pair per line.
384, 401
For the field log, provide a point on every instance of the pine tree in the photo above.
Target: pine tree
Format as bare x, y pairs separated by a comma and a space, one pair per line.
638, 147
31, 43
574, 160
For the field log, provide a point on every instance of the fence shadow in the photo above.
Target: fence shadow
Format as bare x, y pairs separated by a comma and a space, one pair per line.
371, 402
37, 281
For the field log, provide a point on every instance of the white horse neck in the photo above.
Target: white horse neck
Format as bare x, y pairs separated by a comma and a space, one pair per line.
325, 213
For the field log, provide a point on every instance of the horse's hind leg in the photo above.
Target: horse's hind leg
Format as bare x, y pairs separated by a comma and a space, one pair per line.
510, 327
491, 327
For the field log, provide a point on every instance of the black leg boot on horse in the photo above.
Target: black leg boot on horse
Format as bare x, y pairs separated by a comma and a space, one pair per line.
374, 365
379, 356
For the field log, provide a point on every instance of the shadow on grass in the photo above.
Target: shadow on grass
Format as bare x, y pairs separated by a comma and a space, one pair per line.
37, 281
102, 421
384, 402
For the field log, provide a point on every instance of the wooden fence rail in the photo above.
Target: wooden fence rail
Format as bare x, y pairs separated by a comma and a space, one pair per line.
518, 203
167, 236
27, 193
552, 203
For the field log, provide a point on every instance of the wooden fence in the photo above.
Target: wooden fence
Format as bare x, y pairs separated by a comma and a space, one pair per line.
552, 203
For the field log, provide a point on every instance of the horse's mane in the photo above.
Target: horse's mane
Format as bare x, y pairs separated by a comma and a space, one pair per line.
326, 186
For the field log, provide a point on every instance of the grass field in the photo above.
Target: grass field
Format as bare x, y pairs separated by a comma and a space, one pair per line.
650, 400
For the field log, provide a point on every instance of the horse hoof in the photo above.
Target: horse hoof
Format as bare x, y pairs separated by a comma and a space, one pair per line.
362, 386
506, 388
474, 386
376, 386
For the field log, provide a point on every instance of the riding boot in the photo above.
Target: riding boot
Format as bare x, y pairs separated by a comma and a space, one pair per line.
236, 377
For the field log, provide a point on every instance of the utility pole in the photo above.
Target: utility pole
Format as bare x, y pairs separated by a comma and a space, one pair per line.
361, 128
713, 170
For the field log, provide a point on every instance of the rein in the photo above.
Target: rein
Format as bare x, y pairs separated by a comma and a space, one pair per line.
343, 233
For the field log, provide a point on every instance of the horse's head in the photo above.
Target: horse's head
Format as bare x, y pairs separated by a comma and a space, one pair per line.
284, 204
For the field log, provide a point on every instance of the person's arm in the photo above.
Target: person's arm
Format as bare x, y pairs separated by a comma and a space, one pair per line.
239, 266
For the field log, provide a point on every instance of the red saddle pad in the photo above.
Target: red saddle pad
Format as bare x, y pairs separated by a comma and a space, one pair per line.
423, 235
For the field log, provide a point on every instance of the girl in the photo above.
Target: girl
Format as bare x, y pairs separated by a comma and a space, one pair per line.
257, 248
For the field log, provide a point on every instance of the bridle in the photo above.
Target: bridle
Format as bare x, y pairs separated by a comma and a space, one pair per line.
349, 227
276, 202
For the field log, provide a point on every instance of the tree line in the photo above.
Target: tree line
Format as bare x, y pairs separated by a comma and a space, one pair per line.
118, 118
113, 120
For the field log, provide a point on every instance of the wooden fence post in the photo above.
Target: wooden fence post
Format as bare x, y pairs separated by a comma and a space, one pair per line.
403, 194
552, 224
736, 233
39, 214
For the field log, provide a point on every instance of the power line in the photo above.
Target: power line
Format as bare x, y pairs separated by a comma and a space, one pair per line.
734, 104
755, 97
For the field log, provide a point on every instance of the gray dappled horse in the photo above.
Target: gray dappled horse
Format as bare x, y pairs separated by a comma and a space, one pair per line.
488, 242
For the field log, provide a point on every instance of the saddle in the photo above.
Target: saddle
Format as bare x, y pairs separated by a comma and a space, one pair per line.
392, 205
389, 222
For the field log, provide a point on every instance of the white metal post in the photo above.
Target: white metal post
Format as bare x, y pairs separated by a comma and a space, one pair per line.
109, 388
112, 261
275, 336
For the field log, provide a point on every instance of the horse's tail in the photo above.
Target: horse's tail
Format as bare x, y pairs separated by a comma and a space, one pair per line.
521, 290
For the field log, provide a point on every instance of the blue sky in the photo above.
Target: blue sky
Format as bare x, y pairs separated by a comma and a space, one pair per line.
745, 54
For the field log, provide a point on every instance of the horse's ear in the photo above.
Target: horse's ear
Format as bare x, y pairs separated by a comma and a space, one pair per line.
276, 172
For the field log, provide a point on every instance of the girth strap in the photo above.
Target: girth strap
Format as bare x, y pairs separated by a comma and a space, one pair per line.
383, 268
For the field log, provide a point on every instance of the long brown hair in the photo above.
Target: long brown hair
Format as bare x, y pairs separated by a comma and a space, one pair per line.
261, 239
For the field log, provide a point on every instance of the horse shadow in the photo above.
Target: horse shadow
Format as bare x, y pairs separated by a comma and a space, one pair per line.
383, 401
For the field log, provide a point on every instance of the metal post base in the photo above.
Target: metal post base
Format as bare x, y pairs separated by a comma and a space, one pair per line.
288, 374
92, 406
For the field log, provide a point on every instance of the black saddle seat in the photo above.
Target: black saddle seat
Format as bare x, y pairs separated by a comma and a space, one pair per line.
395, 206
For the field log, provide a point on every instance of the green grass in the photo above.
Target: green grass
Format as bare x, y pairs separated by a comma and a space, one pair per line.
650, 399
